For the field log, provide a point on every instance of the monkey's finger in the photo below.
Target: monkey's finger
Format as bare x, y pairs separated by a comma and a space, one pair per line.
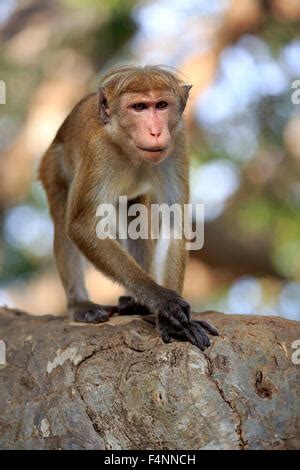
164, 330
211, 329
173, 319
194, 339
176, 302
199, 334
179, 316
166, 338
203, 339
178, 334
150, 319
190, 336
181, 311
185, 308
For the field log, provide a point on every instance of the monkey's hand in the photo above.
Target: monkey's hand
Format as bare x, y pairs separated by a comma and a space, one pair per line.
194, 332
171, 306
174, 322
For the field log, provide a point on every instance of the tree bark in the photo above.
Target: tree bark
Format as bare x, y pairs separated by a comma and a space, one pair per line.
118, 386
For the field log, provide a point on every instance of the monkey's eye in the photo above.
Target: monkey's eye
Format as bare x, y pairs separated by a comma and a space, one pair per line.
161, 105
139, 106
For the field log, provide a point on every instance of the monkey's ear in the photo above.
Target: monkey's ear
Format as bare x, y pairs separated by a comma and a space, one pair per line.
185, 95
103, 106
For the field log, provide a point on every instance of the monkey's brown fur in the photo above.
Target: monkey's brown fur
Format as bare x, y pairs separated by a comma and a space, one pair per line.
106, 148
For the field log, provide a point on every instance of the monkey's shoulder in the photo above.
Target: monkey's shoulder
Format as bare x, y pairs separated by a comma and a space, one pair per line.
84, 115
87, 105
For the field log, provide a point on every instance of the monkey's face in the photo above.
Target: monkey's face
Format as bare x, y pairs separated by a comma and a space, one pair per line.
148, 122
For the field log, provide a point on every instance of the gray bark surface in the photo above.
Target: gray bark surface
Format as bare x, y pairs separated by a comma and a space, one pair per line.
118, 386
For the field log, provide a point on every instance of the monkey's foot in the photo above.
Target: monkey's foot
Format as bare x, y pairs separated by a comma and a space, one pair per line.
194, 332
88, 312
128, 306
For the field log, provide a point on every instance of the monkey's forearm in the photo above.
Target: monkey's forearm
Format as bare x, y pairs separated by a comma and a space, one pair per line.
175, 265
112, 260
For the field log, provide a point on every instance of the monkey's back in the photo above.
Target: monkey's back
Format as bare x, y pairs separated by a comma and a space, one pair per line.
77, 132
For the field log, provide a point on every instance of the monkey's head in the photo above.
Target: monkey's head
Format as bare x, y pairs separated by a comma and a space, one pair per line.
141, 108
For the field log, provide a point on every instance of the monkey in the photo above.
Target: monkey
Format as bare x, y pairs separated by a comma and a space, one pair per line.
129, 139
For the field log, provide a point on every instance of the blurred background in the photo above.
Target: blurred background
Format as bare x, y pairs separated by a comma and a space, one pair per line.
241, 57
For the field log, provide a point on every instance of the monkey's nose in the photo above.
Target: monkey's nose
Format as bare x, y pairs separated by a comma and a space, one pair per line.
155, 134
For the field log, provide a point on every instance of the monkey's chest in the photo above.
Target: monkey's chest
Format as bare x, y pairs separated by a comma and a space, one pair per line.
111, 189
138, 188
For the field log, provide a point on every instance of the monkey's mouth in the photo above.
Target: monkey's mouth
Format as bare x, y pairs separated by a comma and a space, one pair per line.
160, 149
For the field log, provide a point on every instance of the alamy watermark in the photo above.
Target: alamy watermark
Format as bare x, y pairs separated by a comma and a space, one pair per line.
2, 353
295, 98
2, 92
157, 221
296, 354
